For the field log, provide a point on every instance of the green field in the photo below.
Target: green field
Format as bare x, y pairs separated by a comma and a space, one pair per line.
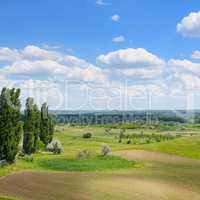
6, 198
159, 170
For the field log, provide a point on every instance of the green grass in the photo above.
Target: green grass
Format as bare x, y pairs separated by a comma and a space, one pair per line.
71, 137
186, 146
7, 198
123, 179
98, 163
72, 141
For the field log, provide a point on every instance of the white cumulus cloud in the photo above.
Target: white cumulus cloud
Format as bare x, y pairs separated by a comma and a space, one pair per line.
115, 18
130, 58
35, 62
190, 25
51, 75
119, 39
7, 54
196, 54
184, 66
133, 63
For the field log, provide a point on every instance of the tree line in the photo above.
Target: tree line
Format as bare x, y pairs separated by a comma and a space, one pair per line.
35, 127
112, 117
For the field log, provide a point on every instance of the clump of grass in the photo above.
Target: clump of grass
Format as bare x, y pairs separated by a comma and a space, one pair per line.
87, 135
85, 154
98, 163
28, 158
55, 147
105, 150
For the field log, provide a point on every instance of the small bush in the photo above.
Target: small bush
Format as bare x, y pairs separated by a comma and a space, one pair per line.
108, 130
20, 154
105, 149
28, 158
55, 147
87, 135
129, 141
120, 140
3, 163
148, 140
41, 145
85, 154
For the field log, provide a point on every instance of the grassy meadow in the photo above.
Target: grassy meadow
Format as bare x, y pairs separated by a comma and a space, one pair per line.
139, 169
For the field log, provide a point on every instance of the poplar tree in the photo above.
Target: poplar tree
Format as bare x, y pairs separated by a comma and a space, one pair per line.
29, 127
51, 127
37, 118
44, 124
10, 125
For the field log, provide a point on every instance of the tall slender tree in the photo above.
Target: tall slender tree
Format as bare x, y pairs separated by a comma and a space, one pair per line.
37, 117
10, 125
51, 125
44, 125
29, 127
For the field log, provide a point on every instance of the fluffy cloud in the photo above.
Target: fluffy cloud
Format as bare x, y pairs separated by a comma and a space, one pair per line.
66, 81
7, 54
115, 18
133, 63
189, 82
37, 63
183, 76
184, 66
142, 73
130, 58
119, 39
34, 52
100, 2
190, 25
196, 54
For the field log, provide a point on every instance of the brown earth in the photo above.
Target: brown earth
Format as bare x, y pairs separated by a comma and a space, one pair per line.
163, 177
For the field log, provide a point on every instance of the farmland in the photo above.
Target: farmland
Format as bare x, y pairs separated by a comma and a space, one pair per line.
167, 169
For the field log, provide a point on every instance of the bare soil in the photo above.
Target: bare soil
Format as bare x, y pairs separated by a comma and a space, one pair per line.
163, 177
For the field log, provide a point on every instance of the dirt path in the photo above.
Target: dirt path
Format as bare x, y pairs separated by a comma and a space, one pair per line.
143, 155
163, 177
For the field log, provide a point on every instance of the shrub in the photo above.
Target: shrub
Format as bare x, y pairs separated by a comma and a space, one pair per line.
148, 140
121, 135
41, 145
3, 163
84, 154
108, 130
55, 147
105, 149
21, 154
87, 135
28, 158
129, 141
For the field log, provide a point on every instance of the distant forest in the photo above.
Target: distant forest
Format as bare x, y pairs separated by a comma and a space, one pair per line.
118, 117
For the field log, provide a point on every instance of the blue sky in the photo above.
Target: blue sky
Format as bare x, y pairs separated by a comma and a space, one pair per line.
86, 27
110, 35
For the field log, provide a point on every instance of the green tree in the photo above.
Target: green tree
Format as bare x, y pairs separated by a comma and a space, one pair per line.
44, 125
51, 125
10, 125
29, 127
37, 117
